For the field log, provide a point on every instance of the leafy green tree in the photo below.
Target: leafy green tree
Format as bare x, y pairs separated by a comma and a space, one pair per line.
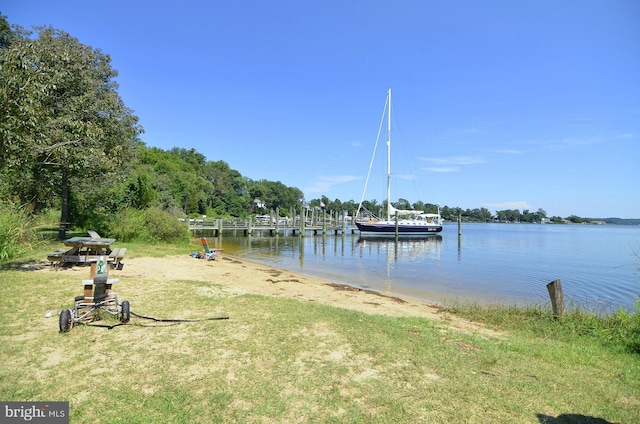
335, 205
527, 216
574, 219
446, 213
191, 157
450, 214
176, 177
372, 206
509, 215
350, 206
402, 204
277, 195
477, 215
62, 120
5, 32
230, 193
484, 215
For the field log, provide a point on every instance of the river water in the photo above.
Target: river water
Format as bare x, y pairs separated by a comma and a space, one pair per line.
489, 263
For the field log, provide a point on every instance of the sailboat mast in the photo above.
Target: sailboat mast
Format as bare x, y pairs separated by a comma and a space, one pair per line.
389, 156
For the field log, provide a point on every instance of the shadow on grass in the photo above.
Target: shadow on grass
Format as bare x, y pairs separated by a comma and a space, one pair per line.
28, 265
571, 419
29, 261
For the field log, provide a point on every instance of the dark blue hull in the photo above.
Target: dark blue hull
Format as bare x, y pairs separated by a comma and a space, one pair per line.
389, 230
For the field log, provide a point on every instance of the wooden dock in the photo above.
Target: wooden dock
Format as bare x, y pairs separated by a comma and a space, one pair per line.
248, 227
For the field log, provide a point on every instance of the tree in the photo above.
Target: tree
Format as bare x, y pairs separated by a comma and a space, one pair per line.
574, 219
450, 214
484, 215
509, 215
402, 204
230, 193
527, 216
284, 197
63, 121
5, 32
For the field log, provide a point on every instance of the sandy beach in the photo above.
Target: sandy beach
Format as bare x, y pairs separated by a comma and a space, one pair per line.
243, 276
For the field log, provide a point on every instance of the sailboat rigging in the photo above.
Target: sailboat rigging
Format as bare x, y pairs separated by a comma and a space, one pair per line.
398, 222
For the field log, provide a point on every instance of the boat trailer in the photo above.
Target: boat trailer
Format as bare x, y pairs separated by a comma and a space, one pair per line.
98, 297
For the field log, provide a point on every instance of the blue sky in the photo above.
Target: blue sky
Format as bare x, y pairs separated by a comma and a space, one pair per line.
497, 104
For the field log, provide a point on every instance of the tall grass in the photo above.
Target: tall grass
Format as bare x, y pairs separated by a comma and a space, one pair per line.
49, 218
17, 234
620, 330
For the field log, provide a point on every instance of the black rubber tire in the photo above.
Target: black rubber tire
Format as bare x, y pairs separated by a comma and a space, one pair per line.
65, 320
125, 315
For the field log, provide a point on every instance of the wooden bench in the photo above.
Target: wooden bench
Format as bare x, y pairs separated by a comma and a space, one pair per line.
117, 255
57, 255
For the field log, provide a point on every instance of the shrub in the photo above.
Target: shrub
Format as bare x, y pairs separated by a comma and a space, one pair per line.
163, 226
627, 327
16, 231
153, 224
127, 225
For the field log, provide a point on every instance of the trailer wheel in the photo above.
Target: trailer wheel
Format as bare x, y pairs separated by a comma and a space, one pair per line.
65, 320
126, 311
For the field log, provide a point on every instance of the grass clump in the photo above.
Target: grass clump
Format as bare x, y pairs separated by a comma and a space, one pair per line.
620, 330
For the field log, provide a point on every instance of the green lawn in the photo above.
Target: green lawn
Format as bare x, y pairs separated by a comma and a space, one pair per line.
283, 360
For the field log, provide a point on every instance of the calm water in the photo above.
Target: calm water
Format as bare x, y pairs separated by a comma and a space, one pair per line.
505, 263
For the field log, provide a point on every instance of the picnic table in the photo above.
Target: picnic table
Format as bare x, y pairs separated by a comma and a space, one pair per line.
85, 250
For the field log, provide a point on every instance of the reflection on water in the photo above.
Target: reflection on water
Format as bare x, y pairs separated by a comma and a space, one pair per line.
402, 250
391, 256
343, 245
506, 263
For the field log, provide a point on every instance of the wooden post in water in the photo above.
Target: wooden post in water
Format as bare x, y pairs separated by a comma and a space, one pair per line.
557, 297
397, 233
459, 233
324, 221
301, 222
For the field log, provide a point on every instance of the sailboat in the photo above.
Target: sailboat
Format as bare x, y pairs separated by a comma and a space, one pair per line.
398, 222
